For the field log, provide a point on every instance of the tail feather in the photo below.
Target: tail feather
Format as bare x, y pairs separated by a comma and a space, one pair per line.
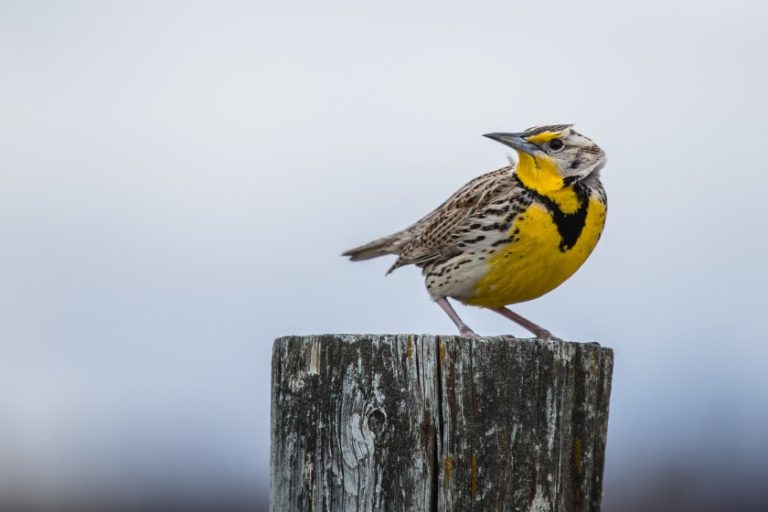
387, 245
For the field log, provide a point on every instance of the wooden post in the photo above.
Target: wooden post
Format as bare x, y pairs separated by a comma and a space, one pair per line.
424, 423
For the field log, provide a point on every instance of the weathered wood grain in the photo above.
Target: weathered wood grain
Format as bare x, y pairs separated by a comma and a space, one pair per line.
424, 423
353, 423
523, 424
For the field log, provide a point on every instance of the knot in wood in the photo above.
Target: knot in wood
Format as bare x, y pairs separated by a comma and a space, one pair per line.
376, 420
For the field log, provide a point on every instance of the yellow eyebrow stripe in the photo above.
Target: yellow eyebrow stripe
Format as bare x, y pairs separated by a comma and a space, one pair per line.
543, 137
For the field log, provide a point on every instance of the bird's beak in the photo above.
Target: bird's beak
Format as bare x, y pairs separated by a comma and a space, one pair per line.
513, 140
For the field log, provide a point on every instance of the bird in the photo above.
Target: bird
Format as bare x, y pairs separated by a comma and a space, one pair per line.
510, 235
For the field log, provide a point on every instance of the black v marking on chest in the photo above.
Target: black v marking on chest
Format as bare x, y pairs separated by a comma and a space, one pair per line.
569, 225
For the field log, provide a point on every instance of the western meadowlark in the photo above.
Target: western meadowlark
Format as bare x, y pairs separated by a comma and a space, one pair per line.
513, 234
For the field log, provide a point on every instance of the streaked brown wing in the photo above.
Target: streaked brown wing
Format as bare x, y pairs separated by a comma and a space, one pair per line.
437, 235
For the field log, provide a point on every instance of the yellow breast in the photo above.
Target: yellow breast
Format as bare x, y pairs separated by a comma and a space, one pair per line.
535, 262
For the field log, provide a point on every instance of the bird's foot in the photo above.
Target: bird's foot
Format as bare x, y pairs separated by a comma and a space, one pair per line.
467, 332
544, 334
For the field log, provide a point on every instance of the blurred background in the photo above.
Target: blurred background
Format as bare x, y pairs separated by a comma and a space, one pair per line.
178, 179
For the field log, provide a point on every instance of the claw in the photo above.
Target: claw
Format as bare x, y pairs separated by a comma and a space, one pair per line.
546, 335
464, 330
536, 330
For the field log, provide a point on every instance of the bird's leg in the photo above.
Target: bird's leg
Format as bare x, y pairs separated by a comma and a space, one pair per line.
537, 331
463, 328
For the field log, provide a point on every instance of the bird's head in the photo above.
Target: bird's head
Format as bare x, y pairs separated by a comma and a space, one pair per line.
554, 151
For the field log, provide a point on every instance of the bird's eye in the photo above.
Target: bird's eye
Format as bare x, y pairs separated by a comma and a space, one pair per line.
556, 144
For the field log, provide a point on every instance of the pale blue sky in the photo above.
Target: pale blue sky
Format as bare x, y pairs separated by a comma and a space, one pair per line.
177, 180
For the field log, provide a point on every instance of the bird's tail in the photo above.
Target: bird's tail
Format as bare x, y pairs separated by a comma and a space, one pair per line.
388, 245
